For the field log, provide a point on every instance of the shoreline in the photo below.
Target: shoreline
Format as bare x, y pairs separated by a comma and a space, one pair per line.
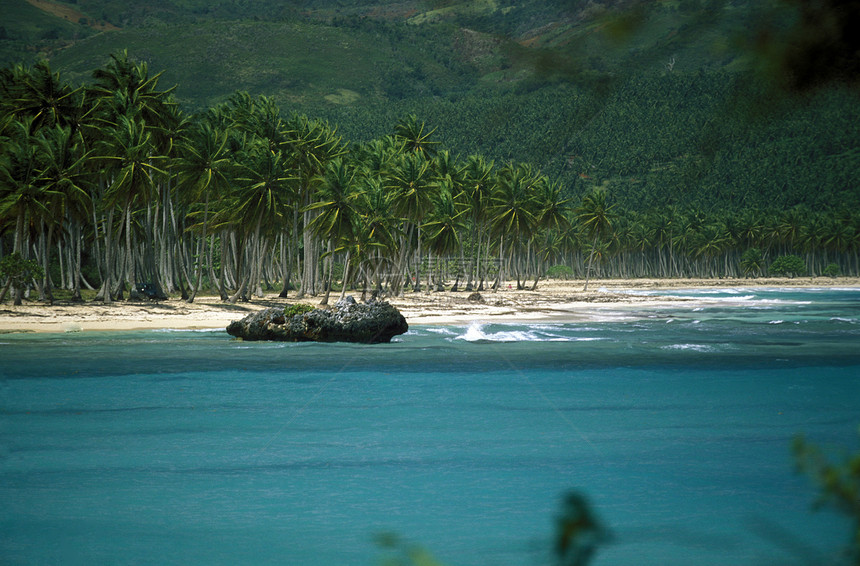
554, 301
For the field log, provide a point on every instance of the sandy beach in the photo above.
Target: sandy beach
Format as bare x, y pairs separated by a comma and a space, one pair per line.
553, 301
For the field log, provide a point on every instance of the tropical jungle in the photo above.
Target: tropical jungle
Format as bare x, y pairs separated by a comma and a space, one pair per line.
170, 147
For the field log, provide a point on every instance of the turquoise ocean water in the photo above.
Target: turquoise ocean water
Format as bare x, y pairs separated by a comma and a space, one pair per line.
171, 447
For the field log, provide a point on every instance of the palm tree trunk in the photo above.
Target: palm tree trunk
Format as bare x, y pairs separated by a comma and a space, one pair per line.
64, 260
201, 251
498, 280
201, 254
241, 280
288, 265
401, 268
19, 247
76, 254
261, 249
590, 259
346, 268
5, 289
311, 251
328, 280
129, 250
106, 280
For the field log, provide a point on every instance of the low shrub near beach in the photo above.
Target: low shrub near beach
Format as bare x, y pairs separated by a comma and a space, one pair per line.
788, 265
559, 272
832, 270
299, 308
17, 271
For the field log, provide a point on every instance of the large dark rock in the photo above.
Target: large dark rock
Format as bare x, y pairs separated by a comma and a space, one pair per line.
347, 321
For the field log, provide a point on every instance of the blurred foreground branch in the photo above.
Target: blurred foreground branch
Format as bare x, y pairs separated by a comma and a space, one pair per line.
839, 482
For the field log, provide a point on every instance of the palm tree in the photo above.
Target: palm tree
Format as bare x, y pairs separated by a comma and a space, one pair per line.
21, 191
595, 216
129, 102
812, 238
377, 231
255, 122
415, 190
752, 262
513, 210
711, 241
377, 158
663, 225
443, 227
309, 145
131, 164
265, 195
790, 227
683, 244
39, 94
336, 212
837, 237
416, 140
552, 207
126, 89
367, 249
479, 183
66, 184
552, 211
204, 170
163, 261
750, 228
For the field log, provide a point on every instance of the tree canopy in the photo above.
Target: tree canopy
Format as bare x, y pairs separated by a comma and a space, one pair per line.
112, 186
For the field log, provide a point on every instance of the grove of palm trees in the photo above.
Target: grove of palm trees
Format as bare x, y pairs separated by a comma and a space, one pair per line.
112, 188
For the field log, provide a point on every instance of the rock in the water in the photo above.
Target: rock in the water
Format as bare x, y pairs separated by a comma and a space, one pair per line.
347, 321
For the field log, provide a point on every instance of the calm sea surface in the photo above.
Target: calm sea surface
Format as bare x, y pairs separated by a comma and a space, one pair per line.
191, 448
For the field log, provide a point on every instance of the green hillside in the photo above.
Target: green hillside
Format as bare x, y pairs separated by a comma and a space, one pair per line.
717, 138
661, 102
382, 50
298, 63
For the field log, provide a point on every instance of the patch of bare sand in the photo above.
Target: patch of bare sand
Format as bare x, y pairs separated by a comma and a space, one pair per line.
552, 301
207, 312
70, 14
565, 301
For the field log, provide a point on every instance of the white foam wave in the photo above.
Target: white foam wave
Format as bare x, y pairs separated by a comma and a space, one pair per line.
440, 330
691, 347
478, 332
188, 330
813, 289
683, 292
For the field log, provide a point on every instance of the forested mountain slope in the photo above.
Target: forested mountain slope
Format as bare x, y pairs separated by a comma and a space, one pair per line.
404, 144
661, 103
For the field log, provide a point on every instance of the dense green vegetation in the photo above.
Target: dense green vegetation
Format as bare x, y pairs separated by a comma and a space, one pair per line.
297, 309
14, 269
386, 143
704, 103
112, 185
405, 144
838, 479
